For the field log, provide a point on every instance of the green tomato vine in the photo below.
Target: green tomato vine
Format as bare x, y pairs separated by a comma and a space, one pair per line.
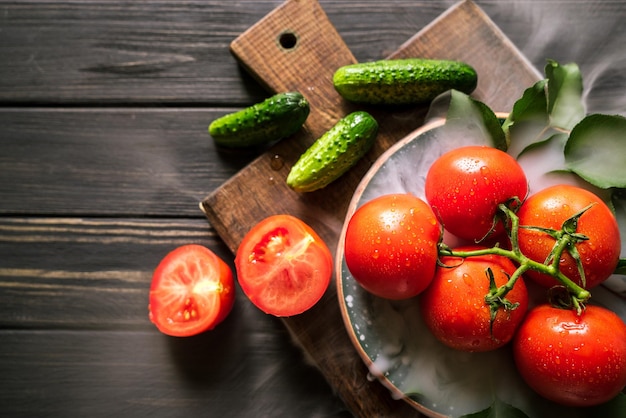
565, 238
550, 113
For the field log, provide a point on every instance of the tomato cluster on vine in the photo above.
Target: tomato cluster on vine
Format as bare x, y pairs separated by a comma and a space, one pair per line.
467, 251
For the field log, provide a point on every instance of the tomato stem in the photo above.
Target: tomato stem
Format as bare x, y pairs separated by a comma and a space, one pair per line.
566, 238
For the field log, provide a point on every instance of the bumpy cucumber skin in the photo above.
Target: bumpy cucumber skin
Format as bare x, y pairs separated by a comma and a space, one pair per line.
403, 81
334, 153
274, 118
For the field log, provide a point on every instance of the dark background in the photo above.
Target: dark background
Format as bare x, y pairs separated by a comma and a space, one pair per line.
104, 157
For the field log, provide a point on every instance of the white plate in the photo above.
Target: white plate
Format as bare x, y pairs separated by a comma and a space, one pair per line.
397, 347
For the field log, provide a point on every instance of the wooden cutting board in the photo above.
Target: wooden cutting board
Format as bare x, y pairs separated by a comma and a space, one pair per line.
295, 47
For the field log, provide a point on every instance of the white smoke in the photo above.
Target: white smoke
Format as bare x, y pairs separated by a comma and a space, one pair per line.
587, 33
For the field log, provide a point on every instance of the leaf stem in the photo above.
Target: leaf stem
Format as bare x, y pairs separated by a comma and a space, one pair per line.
565, 241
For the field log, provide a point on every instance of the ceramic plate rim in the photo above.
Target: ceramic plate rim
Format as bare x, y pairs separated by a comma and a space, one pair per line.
395, 392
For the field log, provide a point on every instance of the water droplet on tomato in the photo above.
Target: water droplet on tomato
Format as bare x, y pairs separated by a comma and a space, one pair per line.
485, 171
467, 279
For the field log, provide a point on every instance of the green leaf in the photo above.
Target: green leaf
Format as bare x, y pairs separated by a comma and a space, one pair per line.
618, 204
596, 150
498, 409
473, 117
565, 89
528, 118
552, 105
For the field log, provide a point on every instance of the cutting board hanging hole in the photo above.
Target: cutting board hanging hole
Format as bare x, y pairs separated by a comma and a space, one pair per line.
288, 40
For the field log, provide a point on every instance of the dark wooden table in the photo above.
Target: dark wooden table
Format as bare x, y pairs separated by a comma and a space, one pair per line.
104, 157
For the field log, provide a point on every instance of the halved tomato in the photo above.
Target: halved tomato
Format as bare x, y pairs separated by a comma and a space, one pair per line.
283, 266
192, 291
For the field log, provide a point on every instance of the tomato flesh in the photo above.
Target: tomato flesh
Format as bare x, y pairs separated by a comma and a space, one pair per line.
192, 291
572, 360
283, 266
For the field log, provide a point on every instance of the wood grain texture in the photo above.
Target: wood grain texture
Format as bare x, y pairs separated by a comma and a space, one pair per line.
116, 373
110, 161
61, 273
77, 341
462, 33
115, 51
261, 182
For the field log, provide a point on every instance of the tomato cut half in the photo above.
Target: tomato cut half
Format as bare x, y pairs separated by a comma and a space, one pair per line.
283, 266
192, 291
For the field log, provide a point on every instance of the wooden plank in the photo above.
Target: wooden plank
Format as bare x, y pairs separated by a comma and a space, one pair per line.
464, 33
236, 371
117, 51
485, 47
88, 273
110, 161
76, 339
176, 52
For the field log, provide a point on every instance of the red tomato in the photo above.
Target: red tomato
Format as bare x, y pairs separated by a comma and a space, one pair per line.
192, 291
572, 360
549, 208
465, 186
391, 245
283, 266
454, 307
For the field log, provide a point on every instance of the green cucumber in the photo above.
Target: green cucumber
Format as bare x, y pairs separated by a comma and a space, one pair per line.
275, 118
403, 81
334, 153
